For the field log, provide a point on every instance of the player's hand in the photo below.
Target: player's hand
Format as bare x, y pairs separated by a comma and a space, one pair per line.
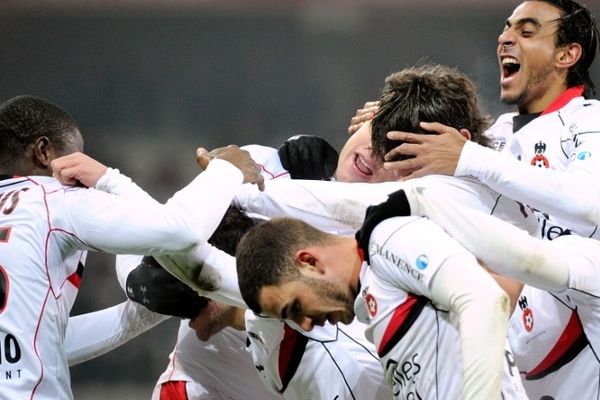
236, 156
431, 154
363, 115
77, 168
308, 157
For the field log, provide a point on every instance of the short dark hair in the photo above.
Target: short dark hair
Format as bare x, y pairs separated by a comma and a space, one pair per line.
265, 255
577, 25
427, 93
23, 119
234, 224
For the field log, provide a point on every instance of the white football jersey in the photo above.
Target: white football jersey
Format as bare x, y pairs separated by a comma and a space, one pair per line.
283, 363
564, 140
286, 360
418, 341
45, 229
219, 368
555, 337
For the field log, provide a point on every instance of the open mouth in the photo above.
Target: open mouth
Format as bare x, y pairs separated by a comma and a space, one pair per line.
361, 165
510, 66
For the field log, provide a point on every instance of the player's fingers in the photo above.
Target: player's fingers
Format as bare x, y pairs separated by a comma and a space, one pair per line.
261, 183
436, 127
203, 157
371, 104
405, 149
66, 176
405, 168
406, 137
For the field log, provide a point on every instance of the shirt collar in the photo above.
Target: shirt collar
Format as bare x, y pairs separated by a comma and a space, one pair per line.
520, 120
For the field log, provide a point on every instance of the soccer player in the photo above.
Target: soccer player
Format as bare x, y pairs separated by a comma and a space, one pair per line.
550, 162
191, 372
405, 278
46, 229
554, 331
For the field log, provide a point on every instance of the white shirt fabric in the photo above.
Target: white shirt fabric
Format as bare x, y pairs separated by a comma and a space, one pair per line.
357, 372
551, 164
340, 207
416, 337
218, 369
555, 336
329, 362
46, 230
555, 328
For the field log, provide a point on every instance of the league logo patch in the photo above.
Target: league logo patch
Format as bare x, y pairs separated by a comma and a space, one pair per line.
584, 155
371, 304
527, 315
539, 160
422, 262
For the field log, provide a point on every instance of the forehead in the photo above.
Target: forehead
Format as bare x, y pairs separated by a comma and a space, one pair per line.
534, 10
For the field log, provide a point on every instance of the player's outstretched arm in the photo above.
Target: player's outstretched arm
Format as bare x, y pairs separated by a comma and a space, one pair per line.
120, 225
504, 248
482, 308
93, 334
449, 153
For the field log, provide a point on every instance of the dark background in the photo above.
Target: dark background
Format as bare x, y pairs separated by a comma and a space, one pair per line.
150, 81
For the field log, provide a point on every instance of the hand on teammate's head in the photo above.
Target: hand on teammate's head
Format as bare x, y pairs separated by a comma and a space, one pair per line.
363, 115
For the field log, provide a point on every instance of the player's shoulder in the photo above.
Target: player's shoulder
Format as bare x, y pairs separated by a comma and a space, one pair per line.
581, 110
268, 158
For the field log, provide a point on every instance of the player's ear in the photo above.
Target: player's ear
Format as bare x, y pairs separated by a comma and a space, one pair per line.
568, 55
42, 152
466, 134
306, 259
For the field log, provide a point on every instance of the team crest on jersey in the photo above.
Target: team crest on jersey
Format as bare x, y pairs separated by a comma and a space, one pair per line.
371, 304
527, 315
540, 160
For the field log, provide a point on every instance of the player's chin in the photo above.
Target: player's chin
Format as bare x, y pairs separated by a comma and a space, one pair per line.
347, 317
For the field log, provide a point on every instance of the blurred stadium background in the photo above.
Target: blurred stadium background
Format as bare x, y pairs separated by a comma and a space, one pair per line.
151, 80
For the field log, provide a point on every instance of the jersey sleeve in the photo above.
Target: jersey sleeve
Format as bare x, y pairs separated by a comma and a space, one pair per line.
209, 271
541, 187
402, 253
503, 248
115, 224
583, 259
331, 206
94, 334
116, 183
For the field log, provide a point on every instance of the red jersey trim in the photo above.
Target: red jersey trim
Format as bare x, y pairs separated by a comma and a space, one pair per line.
4, 289
567, 347
173, 390
564, 98
403, 318
291, 350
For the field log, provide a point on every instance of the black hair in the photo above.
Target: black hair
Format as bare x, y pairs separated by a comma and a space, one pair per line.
23, 119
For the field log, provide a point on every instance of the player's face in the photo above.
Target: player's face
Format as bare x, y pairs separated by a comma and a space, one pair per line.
356, 164
526, 53
308, 302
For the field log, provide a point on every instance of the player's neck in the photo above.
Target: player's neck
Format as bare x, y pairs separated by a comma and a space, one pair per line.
542, 102
357, 261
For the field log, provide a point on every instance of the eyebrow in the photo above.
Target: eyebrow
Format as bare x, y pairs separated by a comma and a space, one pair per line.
523, 21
